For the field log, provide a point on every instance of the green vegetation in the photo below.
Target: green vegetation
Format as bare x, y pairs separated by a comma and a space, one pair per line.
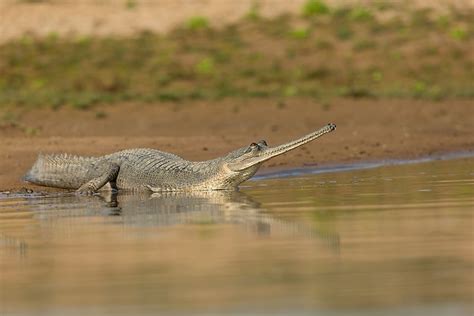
254, 13
197, 23
361, 14
343, 32
131, 4
328, 52
459, 33
205, 66
300, 33
314, 7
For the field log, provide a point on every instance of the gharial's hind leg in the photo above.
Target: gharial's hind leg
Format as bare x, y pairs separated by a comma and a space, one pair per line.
108, 172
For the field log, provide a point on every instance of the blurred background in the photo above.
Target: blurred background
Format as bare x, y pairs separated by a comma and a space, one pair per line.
81, 53
200, 78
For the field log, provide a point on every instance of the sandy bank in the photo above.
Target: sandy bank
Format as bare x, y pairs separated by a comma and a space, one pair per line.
366, 130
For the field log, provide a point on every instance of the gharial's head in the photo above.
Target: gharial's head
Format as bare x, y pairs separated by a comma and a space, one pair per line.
244, 162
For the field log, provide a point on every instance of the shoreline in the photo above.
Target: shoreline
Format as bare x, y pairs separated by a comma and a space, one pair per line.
279, 172
367, 130
29, 189
275, 173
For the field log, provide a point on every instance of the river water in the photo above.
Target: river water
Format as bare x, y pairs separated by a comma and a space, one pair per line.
391, 240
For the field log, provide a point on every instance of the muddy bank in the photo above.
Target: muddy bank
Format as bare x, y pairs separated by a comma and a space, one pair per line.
366, 130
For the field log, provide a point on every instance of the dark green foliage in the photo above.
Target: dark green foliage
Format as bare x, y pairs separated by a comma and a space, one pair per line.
343, 32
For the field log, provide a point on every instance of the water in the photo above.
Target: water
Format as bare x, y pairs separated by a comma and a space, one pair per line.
385, 241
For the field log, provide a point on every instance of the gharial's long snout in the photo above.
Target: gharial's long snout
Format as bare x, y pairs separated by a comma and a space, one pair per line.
271, 152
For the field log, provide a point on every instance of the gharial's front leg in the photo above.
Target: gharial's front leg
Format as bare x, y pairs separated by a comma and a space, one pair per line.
103, 172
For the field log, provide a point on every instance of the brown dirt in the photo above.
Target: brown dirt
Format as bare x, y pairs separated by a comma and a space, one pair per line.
366, 130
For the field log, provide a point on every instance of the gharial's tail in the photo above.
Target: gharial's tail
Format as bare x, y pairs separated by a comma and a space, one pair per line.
61, 171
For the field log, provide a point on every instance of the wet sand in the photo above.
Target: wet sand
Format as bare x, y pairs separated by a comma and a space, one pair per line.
366, 130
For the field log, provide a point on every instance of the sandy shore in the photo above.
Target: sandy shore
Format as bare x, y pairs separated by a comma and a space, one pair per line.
366, 130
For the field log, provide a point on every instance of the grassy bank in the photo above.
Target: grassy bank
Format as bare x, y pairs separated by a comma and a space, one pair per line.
384, 51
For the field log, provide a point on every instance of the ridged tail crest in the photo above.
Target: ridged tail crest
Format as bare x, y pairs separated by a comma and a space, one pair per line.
60, 170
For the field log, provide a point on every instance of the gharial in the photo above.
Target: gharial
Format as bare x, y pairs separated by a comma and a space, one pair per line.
151, 169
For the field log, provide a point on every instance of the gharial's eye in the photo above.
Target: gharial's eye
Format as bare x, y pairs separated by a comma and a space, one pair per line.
252, 147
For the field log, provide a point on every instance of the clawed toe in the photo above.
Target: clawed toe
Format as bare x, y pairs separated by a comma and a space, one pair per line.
86, 190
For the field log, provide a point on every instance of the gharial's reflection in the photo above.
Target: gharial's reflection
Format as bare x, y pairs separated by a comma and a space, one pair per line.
178, 208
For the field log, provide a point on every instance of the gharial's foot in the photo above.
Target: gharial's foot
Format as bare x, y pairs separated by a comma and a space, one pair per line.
86, 189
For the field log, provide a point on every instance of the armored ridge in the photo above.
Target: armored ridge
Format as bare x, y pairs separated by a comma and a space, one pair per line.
151, 169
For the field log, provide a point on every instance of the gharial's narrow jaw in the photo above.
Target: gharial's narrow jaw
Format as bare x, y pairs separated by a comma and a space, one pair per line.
267, 153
